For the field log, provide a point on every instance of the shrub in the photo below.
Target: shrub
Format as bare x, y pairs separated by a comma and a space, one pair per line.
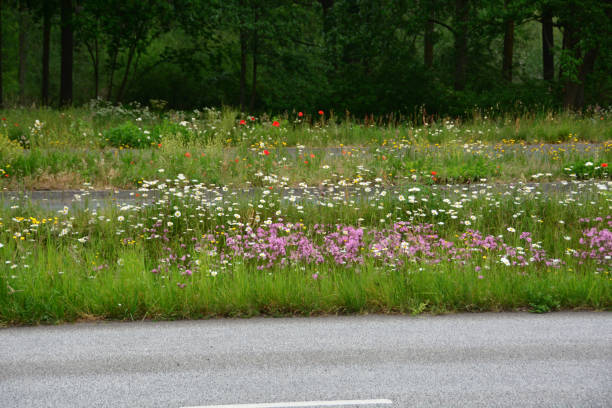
130, 135
588, 169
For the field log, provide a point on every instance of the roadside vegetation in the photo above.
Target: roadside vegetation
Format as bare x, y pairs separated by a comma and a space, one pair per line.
107, 146
303, 215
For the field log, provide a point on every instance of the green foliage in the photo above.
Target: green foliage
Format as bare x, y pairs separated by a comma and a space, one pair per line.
588, 169
9, 149
130, 135
20, 135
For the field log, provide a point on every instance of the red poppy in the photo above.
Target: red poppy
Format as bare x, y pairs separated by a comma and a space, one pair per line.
275, 123
300, 114
305, 161
242, 122
4, 119
604, 164
159, 145
252, 118
321, 112
187, 154
236, 160
312, 155
266, 152
433, 173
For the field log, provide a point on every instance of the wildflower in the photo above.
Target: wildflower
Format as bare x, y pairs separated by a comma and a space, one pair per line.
242, 122
300, 114
187, 154
266, 152
177, 214
321, 112
604, 165
505, 261
480, 277
510, 229
120, 218
433, 173
275, 124
588, 164
315, 276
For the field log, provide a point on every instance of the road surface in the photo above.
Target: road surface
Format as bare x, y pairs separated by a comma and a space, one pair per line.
465, 360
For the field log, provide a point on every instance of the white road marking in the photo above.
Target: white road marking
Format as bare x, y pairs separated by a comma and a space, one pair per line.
300, 404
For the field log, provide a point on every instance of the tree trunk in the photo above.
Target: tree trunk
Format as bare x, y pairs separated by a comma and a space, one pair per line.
46, 53
548, 62
429, 42
254, 77
1, 90
326, 5
96, 67
508, 47
243, 68
109, 91
461, 43
255, 44
573, 91
67, 57
22, 51
126, 74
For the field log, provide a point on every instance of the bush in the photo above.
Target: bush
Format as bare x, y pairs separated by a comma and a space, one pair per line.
588, 169
19, 135
129, 135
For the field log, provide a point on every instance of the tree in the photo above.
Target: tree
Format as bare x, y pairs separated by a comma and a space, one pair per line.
23, 23
1, 89
508, 53
548, 44
462, 13
67, 52
587, 33
47, 13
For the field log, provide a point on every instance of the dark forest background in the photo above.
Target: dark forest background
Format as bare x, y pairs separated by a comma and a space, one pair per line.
367, 57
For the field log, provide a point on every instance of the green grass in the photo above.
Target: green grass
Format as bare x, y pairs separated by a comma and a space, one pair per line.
130, 293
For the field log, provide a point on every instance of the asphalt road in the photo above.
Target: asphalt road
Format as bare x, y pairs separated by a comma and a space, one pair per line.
467, 360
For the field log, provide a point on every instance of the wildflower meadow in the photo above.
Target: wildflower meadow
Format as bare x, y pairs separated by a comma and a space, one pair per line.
306, 213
